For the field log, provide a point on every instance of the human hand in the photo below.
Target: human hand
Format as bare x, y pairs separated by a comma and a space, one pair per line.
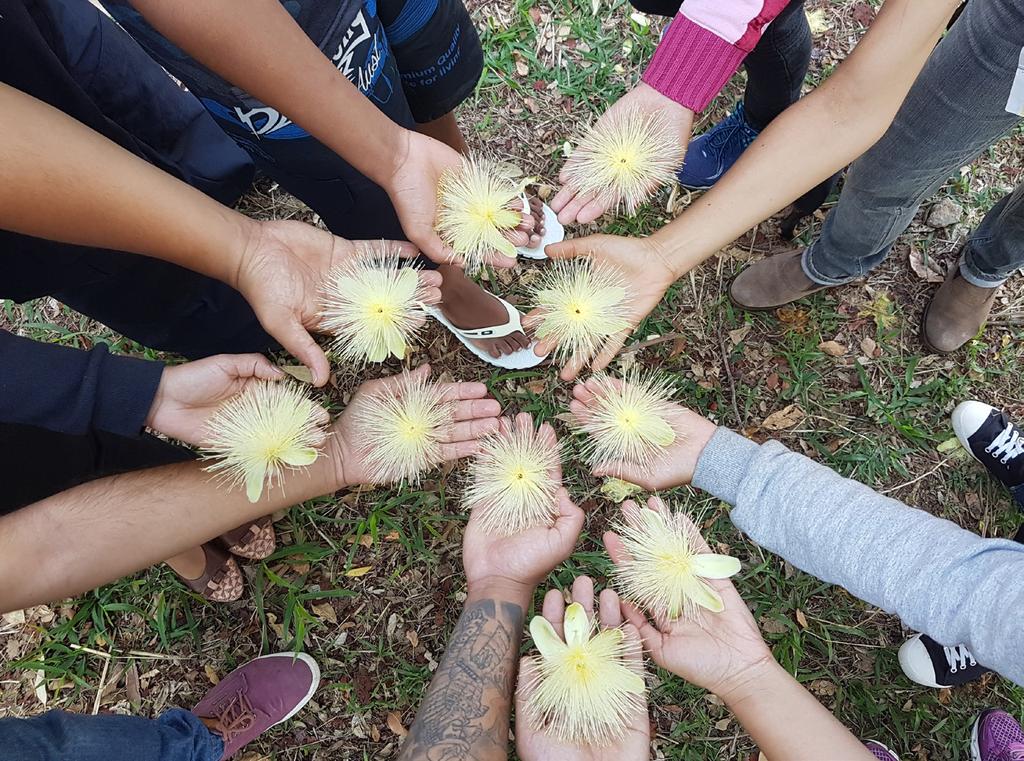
573, 206
518, 563
675, 465
476, 415
412, 188
190, 393
720, 652
535, 745
280, 274
647, 274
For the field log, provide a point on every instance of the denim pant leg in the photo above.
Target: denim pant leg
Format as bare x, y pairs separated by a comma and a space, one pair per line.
954, 111
777, 65
996, 249
176, 735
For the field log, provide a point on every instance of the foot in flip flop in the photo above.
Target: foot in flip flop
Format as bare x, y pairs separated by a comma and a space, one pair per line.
468, 306
539, 228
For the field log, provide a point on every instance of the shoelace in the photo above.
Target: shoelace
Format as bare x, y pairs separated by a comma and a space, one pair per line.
733, 124
957, 658
236, 717
1016, 754
1009, 444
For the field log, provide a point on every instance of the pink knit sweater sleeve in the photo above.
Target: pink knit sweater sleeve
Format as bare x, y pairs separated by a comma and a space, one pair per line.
704, 45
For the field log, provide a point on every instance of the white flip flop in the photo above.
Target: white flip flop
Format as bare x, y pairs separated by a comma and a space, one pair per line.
517, 360
553, 232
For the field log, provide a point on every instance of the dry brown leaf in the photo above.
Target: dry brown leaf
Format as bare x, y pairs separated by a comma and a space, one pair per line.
925, 267
801, 619
299, 372
723, 724
868, 346
357, 572
211, 674
737, 336
326, 612
413, 637
832, 348
782, 419
395, 724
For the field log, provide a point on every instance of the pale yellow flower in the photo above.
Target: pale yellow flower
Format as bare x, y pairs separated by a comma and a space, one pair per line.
625, 157
478, 202
618, 490
513, 484
628, 420
401, 432
257, 435
583, 304
664, 572
372, 307
587, 689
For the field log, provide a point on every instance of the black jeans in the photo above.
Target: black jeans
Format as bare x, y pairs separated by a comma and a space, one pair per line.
775, 67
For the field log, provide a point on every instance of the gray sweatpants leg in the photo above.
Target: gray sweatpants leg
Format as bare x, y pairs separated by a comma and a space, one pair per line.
954, 111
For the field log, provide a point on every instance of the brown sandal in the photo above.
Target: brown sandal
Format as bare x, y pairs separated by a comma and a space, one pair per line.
222, 579
253, 541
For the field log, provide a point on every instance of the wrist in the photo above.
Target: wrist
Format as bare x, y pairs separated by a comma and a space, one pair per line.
759, 678
246, 240
500, 588
153, 416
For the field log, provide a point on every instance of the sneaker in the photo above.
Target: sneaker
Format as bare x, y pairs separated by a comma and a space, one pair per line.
880, 752
257, 696
994, 441
997, 736
928, 663
713, 153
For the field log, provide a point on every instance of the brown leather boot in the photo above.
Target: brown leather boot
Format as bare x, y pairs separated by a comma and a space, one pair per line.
956, 313
772, 282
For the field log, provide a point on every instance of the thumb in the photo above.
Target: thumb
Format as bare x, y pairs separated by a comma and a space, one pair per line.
624, 471
433, 248
569, 248
300, 344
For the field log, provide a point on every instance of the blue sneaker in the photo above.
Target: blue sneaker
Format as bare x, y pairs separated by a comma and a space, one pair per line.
713, 153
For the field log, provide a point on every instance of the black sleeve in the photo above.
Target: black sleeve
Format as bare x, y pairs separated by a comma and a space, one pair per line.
72, 391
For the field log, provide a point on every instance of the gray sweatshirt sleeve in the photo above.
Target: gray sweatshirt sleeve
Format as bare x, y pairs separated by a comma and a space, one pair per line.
940, 579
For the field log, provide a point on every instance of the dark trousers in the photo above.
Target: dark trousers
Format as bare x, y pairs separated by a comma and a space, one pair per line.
775, 67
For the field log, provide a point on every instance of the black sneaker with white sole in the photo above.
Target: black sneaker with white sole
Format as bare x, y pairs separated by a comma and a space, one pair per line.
994, 441
927, 662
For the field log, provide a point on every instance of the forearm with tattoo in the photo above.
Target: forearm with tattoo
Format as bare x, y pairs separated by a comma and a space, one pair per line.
465, 714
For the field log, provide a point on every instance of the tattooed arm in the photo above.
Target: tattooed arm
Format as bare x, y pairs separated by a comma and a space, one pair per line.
465, 715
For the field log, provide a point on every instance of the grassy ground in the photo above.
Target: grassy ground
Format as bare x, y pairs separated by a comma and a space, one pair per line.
370, 582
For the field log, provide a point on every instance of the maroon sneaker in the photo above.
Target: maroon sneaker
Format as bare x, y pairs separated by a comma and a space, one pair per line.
257, 696
880, 752
997, 736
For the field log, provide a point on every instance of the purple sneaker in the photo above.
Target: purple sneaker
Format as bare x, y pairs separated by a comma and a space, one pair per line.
879, 751
257, 696
997, 736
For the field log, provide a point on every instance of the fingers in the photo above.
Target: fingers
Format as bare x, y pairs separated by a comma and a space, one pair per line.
583, 593
572, 368
473, 409
430, 278
564, 195
470, 430
584, 395
459, 449
647, 631
613, 543
553, 609
433, 248
300, 344
626, 472
592, 211
611, 348
455, 392
570, 212
252, 366
609, 612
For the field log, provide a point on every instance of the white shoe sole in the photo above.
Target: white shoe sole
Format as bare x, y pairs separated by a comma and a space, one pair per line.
975, 745
521, 359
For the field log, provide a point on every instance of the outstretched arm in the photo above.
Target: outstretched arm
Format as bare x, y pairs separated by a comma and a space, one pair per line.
467, 708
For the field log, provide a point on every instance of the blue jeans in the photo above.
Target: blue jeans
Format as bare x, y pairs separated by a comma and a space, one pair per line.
955, 110
176, 735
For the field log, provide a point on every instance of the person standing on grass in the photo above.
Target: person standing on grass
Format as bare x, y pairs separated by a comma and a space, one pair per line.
966, 97
246, 703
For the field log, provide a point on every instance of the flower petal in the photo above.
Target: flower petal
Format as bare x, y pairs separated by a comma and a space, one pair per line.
254, 482
658, 431
712, 566
395, 342
300, 456
406, 283
706, 597
545, 638
576, 625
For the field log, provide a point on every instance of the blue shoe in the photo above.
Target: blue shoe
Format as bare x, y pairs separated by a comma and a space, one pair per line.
713, 153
